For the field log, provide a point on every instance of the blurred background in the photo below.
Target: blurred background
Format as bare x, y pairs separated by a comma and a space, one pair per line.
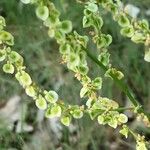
23, 126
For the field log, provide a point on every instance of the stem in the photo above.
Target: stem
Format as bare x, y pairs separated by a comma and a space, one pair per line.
120, 83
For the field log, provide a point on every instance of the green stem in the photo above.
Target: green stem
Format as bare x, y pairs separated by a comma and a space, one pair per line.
120, 83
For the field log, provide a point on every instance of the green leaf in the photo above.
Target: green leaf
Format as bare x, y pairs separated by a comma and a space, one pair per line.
97, 22
122, 118
41, 103
101, 42
83, 92
66, 26
26, 1
30, 91
92, 7
113, 123
56, 111
83, 69
104, 58
51, 96
8, 68
141, 146
23, 78
124, 131
2, 23
74, 59
101, 119
65, 120
97, 83
14, 56
127, 31
2, 55
108, 39
144, 24
42, 12
60, 36
51, 32
115, 72
138, 38
86, 22
123, 21
64, 48
77, 113
7, 38
147, 55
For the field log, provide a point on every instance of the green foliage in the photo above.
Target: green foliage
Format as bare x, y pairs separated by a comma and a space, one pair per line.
73, 48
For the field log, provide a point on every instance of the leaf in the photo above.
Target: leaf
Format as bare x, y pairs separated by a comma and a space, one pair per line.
24, 78
77, 114
127, 31
65, 120
26, 1
122, 118
2, 23
7, 38
56, 111
147, 55
141, 146
138, 38
108, 40
97, 83
14, 56
8, 68
74, 59
83, 92
83, 69
30, 91
2, 55
86, 22
51, 96
104, 58
92, 7
64, 48
101, 42
123, 21
124, 131
100, 119
41, 103
66, 26
144, 24
113, 123
42, 12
